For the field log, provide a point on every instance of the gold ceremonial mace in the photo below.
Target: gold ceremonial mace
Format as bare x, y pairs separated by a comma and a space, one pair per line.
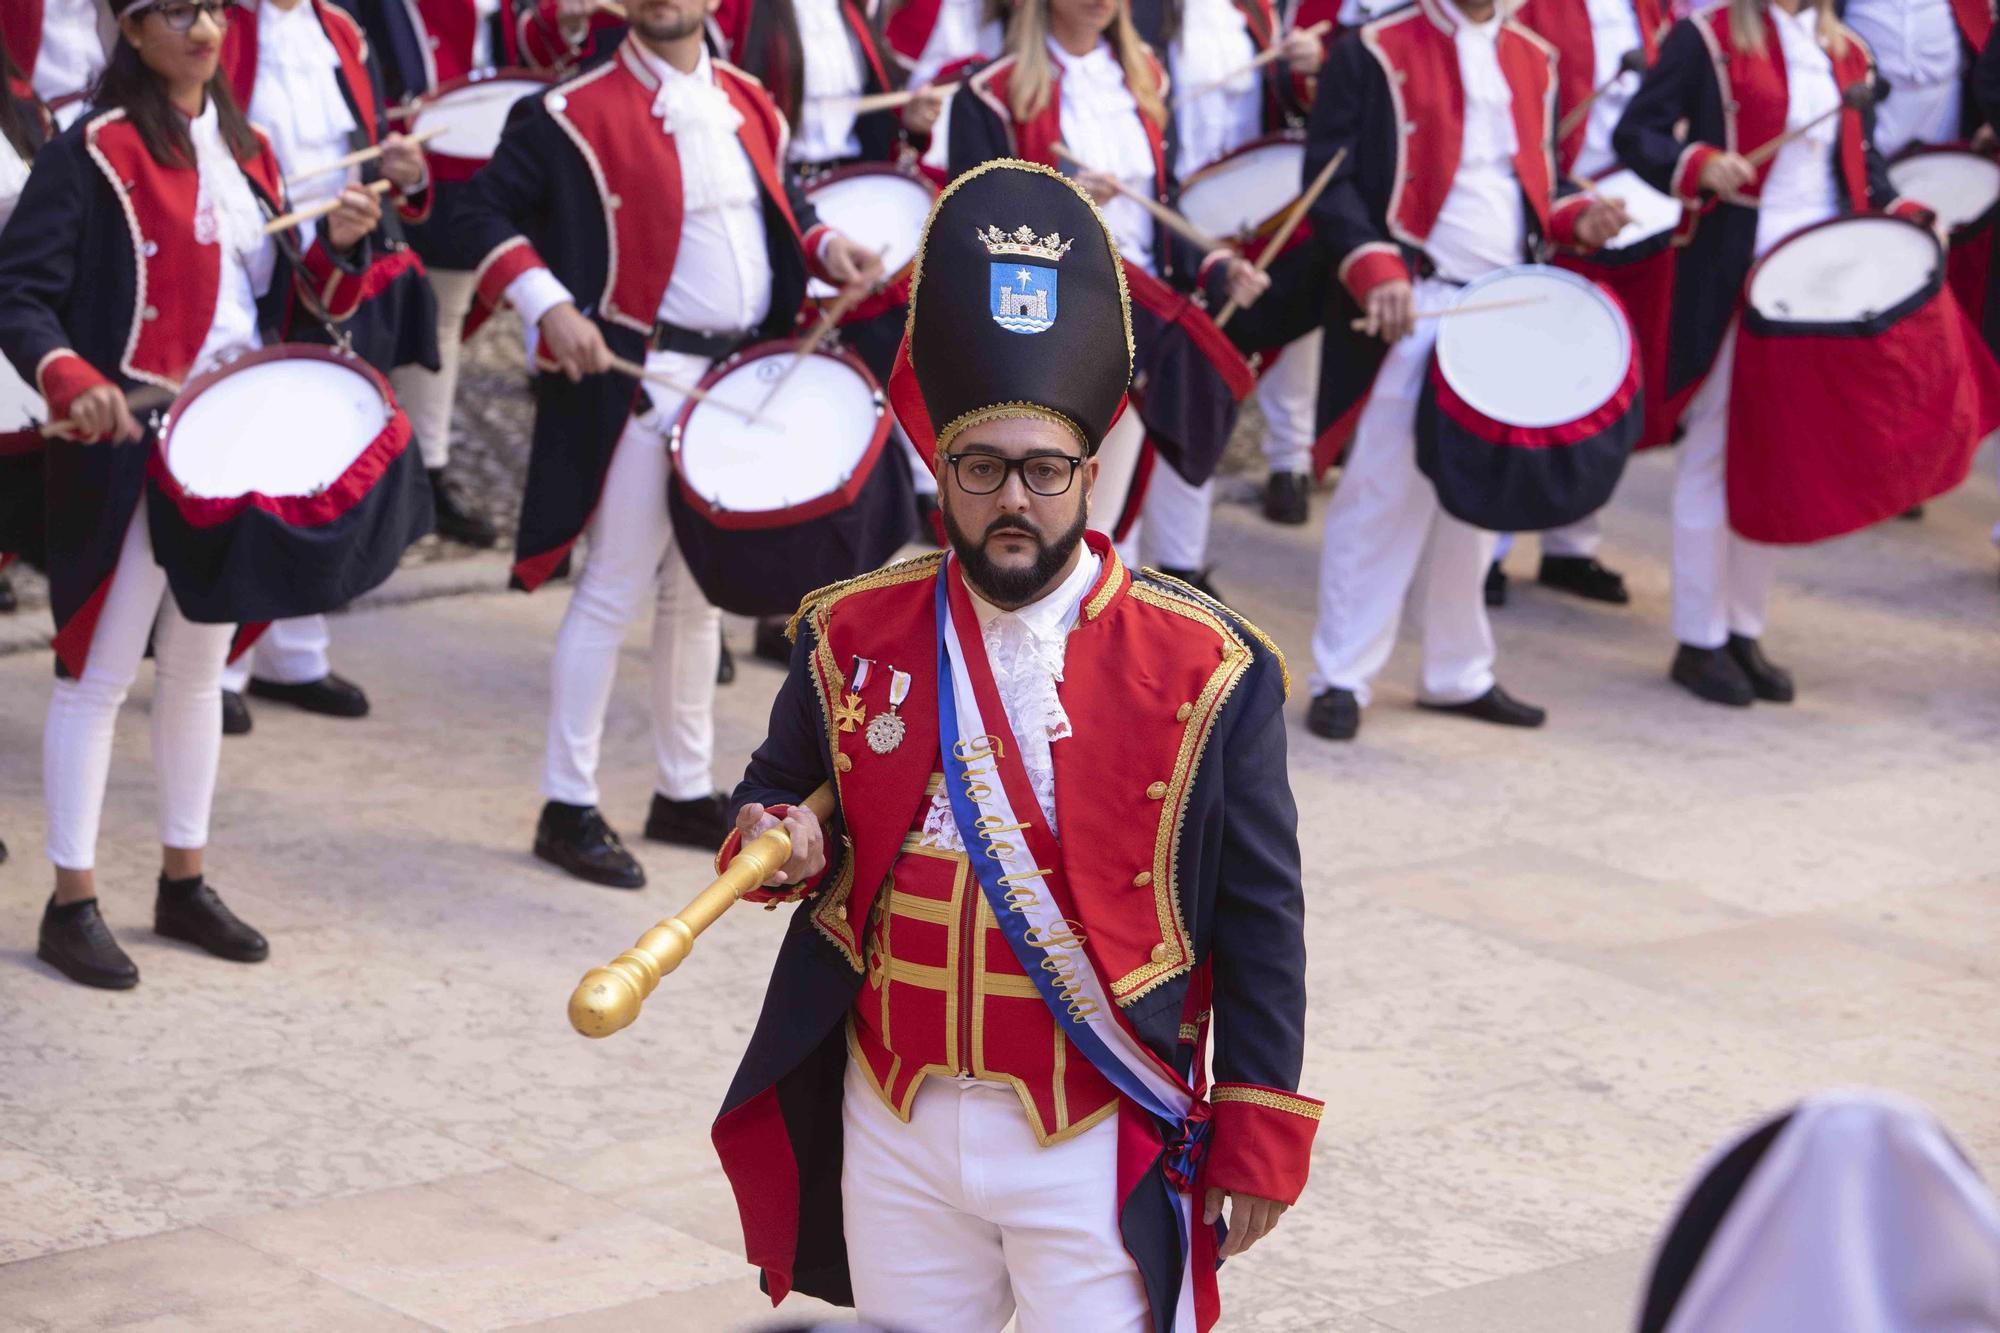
608, 998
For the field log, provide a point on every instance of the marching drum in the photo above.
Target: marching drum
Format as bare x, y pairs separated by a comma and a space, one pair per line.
1860, 388
1961, 187
472, 112
1187, 377
1243, 195
1532, 402
281, 484
877, 205
1637, 265
1654, 218
802, 496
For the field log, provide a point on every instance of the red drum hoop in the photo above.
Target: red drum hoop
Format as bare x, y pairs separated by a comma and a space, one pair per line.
473, 127
1220, 199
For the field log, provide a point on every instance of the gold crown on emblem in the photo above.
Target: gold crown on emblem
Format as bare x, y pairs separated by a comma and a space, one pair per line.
1023, 241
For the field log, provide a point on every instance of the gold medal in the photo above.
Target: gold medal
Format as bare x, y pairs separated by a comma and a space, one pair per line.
849, 713
885, 730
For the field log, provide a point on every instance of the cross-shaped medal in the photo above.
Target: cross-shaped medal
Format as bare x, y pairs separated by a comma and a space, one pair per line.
850, 713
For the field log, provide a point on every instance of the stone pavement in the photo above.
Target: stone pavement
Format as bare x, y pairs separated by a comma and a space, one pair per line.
1548, 972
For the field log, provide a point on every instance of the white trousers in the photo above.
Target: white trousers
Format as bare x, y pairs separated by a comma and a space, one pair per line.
1388, 540
1288, 395
1583, 539
1117, 462
187, 711
1722, 583
959, 1220
426, 396
632, 560
290, 652
1175, 519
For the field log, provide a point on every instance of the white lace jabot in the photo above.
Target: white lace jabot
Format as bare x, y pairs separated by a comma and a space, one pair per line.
1026, 649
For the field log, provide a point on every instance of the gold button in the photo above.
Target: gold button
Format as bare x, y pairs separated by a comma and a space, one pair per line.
1157, 790
843, 762
841, 911
1159, 953
1142, 879
1184, 712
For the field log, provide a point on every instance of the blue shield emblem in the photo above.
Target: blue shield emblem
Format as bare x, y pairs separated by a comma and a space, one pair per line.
1024, 297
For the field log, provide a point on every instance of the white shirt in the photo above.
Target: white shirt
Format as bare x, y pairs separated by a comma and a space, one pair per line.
1800, 189
722, 269
1614, 30
298, 101
960, 31
833, 79
226, 215
72, 51
482, 32
1483, 224
1025, 648
1101, 125
13, 180
1916, 42
1214, 42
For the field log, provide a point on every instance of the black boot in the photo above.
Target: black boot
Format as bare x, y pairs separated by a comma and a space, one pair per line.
1496, 585
8, 601
1771, 682
76, 942
457, 520
189, 910
725, 667
702, 822
1496, 706
1713, 674
770, 642
576, 838
329, 696
1585, 577
1194, 578
235, 714
1288, 498
1334, 714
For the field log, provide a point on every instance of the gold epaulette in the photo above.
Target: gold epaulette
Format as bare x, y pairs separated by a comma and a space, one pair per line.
902, 571
1200, 598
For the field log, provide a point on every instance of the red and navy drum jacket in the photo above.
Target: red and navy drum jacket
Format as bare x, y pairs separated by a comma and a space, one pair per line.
768, 54
103, 282
397, 322
1392, 100
1565, 25
1179, 839
1286, 97
587, 185
21, 22
21, 449
1702, 97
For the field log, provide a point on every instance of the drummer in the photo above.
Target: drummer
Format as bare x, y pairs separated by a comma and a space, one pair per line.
1076, 72
716, 258
24, 125
1923, 51
61, 47
1719, 71
1425, 200
120, 269
303, 73
940, 41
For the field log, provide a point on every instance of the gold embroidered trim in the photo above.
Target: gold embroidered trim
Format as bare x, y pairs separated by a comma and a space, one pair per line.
1114, 574
830, 912
1011, 411
1243, 622
902, 571
1189, 1032
1265, 1097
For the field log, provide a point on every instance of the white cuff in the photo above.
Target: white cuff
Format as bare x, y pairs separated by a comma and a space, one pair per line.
534, 294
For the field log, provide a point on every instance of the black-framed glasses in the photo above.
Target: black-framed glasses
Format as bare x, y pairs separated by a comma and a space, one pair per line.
179, 15
1044, 474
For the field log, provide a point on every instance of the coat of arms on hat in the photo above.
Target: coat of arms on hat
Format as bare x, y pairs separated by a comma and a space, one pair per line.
1024, 295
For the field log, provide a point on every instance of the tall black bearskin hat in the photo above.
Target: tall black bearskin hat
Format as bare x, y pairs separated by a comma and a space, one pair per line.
1018, 308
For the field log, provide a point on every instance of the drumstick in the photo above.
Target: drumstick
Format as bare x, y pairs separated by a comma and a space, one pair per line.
829, 317
286, 221
1293, 218
1854, 97
1632, 62
138, 404
1476, 307
1161, 213
615, 10
888, 101
354, 158
689, 391
1262, 59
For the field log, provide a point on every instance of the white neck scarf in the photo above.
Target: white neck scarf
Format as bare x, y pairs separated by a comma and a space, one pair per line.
297, 98
225, 211
715, 170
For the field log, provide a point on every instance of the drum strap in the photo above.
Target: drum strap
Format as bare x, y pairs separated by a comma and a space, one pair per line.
714, 346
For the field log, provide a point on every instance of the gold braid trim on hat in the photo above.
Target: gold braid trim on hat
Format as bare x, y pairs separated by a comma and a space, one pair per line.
917, 280
1012, 412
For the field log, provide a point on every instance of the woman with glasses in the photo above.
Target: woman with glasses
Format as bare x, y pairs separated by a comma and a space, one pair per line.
137, 258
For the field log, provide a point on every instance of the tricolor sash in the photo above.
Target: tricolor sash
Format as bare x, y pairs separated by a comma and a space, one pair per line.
1018, 863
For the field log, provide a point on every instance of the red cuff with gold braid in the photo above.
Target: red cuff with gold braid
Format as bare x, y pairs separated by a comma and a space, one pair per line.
1687, 172
1369, 266
1260, 1141
1563, 218
63, 378
791, 893
814, 242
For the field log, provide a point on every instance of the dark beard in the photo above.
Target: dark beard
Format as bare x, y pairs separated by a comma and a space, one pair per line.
1013, 587
673, 30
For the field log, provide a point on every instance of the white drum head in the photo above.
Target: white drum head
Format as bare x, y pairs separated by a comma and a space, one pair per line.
1243, 191
873, 209
1958, 186
1653, 214
20, 406
473, 117
808, 442
1557, 357
286, 427
1843, 272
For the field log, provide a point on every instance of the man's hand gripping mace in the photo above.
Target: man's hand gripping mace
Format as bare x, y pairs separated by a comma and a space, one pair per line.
608, 998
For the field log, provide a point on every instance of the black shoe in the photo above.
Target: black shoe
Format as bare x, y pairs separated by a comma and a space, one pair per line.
329, 696
725, 667
1334, 714
1713, 674
76, 942
1288, 498
1194, 578
930, 519
1584, 576
1914, 514
702, 822
1496, 706
1772, 683
8, 601
770, 642
235, 714
576, 838
188, 909
1496, 585
457, 520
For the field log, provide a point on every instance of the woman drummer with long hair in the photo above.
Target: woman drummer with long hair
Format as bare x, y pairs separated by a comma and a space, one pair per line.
1740, 75
137, 259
